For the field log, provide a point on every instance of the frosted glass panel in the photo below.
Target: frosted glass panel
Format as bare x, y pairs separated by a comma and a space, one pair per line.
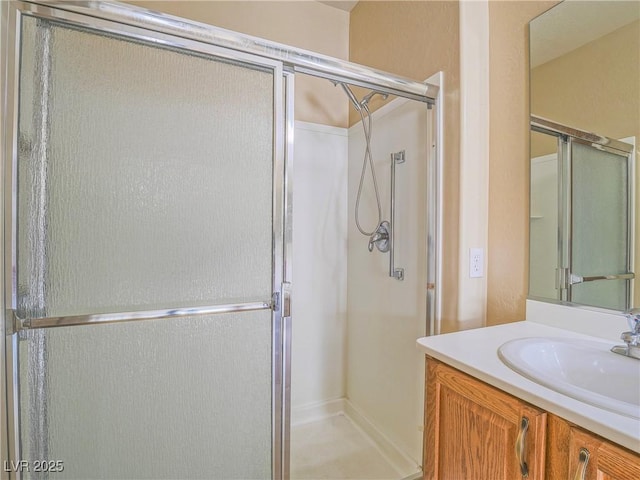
599, 225
168, 399
145, 176
145, 181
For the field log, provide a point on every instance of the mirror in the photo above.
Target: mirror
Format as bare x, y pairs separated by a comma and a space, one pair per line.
585, 107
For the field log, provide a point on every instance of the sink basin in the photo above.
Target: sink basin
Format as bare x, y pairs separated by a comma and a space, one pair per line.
581, 369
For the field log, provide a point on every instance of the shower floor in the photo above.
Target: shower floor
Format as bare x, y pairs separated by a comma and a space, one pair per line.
334, 448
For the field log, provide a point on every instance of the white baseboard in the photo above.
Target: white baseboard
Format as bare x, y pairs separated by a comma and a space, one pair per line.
313, 412
401, 461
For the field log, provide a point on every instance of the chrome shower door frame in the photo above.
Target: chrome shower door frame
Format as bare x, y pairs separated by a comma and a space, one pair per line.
568, 236
566, 138
10, 17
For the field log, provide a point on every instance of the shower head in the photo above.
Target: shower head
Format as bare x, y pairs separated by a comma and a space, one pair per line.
351, 96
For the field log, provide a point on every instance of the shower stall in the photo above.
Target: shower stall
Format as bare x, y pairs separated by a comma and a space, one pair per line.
357, 378
150, 235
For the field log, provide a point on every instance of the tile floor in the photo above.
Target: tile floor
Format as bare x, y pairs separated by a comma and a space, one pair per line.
333, 448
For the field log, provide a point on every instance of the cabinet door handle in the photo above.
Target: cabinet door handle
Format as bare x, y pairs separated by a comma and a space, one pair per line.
520, 447
583, 460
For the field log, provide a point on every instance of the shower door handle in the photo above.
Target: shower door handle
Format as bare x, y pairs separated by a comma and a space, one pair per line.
565, 278
397, 273
576, 279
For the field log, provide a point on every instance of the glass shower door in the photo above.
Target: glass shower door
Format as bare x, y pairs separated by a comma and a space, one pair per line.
600, 237
148, 186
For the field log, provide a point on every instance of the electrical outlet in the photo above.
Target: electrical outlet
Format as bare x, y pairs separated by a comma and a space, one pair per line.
476, 263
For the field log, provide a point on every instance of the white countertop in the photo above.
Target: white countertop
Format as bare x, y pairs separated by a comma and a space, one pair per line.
476, 352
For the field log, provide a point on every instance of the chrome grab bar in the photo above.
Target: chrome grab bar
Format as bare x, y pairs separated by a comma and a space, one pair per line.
397, 273
575, 279
99, 318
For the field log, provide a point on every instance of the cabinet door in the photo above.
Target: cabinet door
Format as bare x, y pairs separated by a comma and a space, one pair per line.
614, 463
591, 458
476, 431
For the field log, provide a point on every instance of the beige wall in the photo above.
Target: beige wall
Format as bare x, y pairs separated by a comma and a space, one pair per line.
507, 268
303, 24
416, 40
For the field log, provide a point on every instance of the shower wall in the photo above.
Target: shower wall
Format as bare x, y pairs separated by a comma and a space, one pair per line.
543, 228
385, 372
319, 296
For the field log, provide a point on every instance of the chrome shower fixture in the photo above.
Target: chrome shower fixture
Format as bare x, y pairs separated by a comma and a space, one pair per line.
365, 115
380, 238
359, 105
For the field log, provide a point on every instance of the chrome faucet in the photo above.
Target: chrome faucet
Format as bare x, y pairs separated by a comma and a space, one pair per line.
631, 338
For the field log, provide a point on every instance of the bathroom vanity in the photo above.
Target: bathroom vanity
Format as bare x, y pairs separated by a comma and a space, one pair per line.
483, 420
546, 398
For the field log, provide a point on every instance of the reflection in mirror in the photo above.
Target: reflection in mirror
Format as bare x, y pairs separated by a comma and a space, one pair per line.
543, 229
581, 199
585, 80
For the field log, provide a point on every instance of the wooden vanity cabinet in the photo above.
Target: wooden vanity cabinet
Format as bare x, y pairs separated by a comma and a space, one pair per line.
574, 453
473, 430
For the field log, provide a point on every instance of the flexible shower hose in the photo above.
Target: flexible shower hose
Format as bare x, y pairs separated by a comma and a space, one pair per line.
366, 126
